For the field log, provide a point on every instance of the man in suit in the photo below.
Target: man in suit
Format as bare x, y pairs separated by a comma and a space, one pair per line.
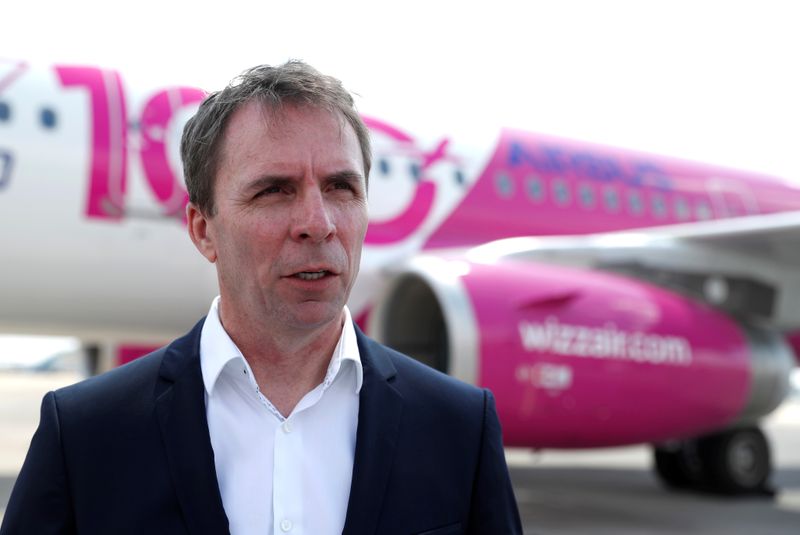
275, 414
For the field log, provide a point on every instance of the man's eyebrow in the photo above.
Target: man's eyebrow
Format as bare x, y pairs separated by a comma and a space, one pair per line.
345, 176
265, 181
281, 180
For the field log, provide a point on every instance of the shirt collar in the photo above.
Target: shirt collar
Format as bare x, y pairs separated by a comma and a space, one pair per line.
217, 350
346, 350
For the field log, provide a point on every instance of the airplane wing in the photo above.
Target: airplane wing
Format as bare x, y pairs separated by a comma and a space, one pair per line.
748, 266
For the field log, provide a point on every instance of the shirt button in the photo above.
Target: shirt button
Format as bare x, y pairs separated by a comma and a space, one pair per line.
286, 525
287, 428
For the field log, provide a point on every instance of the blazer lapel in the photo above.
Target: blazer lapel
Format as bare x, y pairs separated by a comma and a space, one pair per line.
380, 408
180, 405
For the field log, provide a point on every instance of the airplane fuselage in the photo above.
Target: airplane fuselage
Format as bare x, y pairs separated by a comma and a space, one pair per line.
95, 246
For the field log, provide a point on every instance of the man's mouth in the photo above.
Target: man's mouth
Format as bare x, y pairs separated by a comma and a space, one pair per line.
311, 275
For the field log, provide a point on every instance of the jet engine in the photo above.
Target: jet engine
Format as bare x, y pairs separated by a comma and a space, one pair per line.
579, 358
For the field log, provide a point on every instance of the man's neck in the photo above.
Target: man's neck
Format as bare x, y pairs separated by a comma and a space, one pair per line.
286, 366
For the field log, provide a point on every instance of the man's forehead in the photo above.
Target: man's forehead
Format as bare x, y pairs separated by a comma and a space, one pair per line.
276, 117
254, 126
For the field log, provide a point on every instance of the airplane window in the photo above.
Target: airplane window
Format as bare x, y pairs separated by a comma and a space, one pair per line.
611, 199
503, 185
659, 208
560, 191
5, 112
702, 210
383, 166
586, 195
48, 118
459, 177
681, 209
635, 202
414, 170
534, 188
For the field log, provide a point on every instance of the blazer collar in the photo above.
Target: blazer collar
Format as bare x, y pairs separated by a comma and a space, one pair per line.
182, 417
380, 408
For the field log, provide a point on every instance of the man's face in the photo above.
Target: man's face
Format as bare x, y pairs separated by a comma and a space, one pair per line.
291, 215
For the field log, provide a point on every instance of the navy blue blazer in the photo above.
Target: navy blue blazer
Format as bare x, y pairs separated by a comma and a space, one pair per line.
129, 452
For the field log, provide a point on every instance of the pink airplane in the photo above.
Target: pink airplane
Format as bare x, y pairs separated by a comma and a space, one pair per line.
607, 297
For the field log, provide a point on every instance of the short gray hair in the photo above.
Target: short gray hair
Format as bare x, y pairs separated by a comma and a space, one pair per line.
294, 82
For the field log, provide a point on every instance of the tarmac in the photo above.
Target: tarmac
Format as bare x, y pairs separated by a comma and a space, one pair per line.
559, 493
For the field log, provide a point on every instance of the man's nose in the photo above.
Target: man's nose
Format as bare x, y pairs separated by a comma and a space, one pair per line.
312, 218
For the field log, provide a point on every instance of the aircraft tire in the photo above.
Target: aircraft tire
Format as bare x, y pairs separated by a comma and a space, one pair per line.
736, 461
676, 465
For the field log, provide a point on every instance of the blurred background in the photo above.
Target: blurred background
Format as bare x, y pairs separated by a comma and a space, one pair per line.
712, 81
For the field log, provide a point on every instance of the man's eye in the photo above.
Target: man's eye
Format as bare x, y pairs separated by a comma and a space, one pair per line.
343, 185
270, 190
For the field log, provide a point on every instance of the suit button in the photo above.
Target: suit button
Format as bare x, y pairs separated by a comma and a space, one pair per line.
286, 525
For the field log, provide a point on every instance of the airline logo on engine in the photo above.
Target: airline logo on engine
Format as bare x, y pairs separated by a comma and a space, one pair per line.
544, 375
607, 342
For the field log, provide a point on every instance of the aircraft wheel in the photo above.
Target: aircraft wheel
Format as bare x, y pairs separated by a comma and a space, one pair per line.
736, 461
676, 464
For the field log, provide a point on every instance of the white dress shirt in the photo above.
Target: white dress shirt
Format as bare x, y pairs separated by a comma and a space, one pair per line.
281, 475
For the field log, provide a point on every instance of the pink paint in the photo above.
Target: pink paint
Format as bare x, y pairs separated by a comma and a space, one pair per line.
437, 154
129, 352
108, 170
387, 129
794, 341
108, 174
666, 366
541, 185
403, 225
19, 68
159, 111
362, 318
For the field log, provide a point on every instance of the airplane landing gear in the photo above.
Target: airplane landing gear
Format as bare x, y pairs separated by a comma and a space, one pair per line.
735, 461
676, 464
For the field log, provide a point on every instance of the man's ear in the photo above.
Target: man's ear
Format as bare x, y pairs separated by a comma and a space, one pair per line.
200, 232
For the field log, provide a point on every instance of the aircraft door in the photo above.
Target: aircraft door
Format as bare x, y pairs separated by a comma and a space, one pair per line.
731, 198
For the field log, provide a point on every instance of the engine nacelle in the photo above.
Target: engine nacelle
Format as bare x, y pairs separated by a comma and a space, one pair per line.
580, 358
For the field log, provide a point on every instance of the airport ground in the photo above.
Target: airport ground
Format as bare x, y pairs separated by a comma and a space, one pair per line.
589, 492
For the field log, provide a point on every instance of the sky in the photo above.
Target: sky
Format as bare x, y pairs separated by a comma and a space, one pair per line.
715, 81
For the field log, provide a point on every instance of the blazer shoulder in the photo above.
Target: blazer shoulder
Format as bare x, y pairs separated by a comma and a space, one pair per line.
139, 381
419, 383
120, 387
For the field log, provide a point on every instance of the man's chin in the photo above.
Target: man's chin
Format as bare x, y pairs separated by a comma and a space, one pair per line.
316, 315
